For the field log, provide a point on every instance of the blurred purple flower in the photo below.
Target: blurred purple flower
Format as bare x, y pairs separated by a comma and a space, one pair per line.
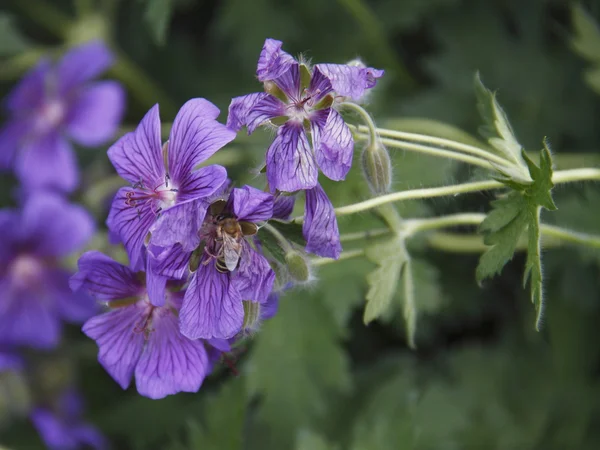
299, 99
61, 427
136, 337
56, 103
166, 196
230, 269
34, 289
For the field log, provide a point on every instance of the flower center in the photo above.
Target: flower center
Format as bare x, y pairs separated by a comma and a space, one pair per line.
162, 196
25, 270
50, 115
167, 197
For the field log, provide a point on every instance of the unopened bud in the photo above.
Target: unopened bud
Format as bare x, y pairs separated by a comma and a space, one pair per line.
251, 316
298, 266
377, 168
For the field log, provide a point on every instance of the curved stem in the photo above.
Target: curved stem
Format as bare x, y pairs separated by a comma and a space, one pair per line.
281, 239
349, 237
458, 146
366, 117
433, 151
345, 255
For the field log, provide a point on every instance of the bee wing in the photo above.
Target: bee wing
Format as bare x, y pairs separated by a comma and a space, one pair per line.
232, 250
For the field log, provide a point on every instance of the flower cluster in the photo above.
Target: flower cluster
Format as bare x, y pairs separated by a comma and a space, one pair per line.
201, 275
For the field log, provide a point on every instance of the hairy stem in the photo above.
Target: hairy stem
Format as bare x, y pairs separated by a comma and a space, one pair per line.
345, 255
370, 127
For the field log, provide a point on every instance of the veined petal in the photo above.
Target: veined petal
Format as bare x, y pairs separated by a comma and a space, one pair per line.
273, 61
104, 278
31, 90
240, 107
290, 163
264, 109
47, 162
74, 307
170, 362
137, 156
333, 143
320, 226
250, 204
202, 183
289, 82
283, 206
319, 86
82, 63
156, 286
172, 262
254, 278
350, 81
131, 223
195, 137
212, 306
95, 116
120, 343
179, 224
57, 227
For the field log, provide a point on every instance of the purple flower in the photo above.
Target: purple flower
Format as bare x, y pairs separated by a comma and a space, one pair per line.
136, 337
34, 289
166, 196
300, 99
56, 103
61, 426
229, 271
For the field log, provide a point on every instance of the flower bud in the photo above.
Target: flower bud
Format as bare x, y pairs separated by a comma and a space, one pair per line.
377, 168
298, 266
251, 316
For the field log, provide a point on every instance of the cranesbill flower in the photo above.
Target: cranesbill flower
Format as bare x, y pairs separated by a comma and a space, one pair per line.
34, 290
54, 104
61, 427
300, 100
136, 337
166, 193
229, 269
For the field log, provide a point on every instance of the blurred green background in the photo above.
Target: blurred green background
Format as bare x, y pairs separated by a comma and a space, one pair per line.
315, 377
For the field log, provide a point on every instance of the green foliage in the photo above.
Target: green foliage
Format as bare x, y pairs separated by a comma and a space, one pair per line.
586, 43
12, 41
157, 16
308, 440
511, 216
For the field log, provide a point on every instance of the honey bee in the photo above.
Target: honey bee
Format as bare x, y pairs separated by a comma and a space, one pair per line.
230, 233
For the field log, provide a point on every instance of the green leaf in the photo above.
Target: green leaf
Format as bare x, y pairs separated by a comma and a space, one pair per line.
390, 256
309, 440
11, 41
508, 220
292, 231
157, 16
586, 41
498, 131
295, 365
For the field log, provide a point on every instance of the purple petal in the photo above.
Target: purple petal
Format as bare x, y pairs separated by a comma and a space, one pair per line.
10, 230
31, 90
265, 109
104, 278
90, 436
289, 82
202, 183
96, 113
195, 137
55, 433
212, 306
47, 162
250, 204
156, 286
320, 226
137, 156
333, 144
131, 223
269, 308
71, 307
283, 206
10, 361
171, 363
273, 61
240, 107
350, 81
81, 64
119, 341
28, 318
57, 227
254, 278
179, 224
172, 262
290, 163
11, 138
319, 87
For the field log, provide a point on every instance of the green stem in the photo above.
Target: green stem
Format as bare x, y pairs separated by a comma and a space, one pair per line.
349, 254
369, 234
436, 141
433, 151
366, 117
281, 239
